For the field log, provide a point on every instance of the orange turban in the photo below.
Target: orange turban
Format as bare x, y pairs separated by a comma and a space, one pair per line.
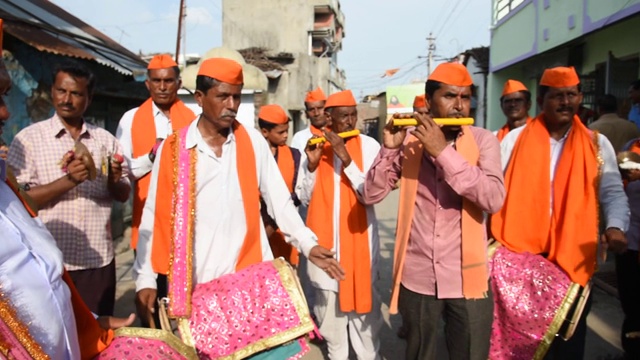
342, 98
315, 95
512, 86
560, 77
419, 101
454, 74
221, 69
162, 61
273, 114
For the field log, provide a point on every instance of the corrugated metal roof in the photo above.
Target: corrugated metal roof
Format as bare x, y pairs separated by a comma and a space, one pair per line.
47, 27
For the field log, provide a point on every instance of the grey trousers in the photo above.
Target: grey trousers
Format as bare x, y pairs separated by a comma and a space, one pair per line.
467, 325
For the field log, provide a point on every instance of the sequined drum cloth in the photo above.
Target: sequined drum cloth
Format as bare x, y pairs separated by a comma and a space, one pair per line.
255, 309
146, 344
528, 293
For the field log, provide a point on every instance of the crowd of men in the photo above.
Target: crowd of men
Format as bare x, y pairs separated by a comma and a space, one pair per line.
469, 225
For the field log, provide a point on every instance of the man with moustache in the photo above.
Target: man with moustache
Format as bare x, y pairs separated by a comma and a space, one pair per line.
314, 109
574, 174
75, 209
216, 171
449, 177
515, 103
331, 184
141, 129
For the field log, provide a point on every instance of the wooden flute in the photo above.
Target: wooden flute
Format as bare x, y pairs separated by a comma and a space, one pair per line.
439, 121
344, 135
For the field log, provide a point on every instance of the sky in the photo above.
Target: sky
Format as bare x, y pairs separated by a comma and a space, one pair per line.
380, 34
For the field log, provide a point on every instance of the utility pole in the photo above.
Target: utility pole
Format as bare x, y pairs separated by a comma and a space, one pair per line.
179, 29
432, 49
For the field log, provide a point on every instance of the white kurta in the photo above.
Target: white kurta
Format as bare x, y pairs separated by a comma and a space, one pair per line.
220, 219
301, 138
304, 189
141, 165
31, 279
613, 200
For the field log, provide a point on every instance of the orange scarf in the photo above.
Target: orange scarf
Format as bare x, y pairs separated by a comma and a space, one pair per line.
474, 258
355, 291
251, 251
315, 131
143, 137
570, 234
505, 129
278, 245
503, 132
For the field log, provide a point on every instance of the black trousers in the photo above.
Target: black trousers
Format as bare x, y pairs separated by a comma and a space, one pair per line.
467, 325
97, 287
628, 274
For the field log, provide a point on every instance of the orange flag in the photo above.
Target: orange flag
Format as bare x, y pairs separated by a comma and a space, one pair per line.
390, 72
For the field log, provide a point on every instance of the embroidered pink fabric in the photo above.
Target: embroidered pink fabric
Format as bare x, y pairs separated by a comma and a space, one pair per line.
247, 308
139, 348
177, 290
8, 339
528, 291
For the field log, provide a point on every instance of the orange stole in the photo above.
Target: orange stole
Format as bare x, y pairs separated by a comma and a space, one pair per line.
355, 291
503, 132
474, 261
570, 233
143, 137
315, 131
251, 251
278, 245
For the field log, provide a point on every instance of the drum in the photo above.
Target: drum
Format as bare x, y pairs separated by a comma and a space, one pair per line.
259, 311
533, 300
147, 344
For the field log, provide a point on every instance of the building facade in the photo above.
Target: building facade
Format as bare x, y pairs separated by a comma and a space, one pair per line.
598, 38
297, 42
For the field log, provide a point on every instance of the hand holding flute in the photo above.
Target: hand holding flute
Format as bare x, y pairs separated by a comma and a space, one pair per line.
316, 144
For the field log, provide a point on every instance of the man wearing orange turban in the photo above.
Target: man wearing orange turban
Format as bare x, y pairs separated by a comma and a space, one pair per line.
420, 105
205, 194
515, 103
314, 109
449, 177
141, 129
273, 122
558, 176
332, 178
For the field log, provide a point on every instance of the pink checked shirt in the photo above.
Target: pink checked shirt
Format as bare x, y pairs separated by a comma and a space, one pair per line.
80, 219
433, 259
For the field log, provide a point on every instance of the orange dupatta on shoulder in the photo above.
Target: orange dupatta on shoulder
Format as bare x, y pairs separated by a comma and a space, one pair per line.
251, 251
566, 230
143, 137
474, 258
355, 293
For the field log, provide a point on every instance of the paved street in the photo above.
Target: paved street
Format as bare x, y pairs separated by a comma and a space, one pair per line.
604, 320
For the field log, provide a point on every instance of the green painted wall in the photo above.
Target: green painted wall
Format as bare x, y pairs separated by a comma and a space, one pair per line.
513, 37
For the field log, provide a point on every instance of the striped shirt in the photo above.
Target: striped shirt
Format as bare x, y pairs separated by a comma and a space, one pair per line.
79, 220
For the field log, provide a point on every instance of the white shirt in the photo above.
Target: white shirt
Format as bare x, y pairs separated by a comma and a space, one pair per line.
304, 189
613, 200
31, 279
220, 219
141, 165
301, 138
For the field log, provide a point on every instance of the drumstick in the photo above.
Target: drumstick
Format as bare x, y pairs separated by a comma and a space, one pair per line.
344, 135
439, 121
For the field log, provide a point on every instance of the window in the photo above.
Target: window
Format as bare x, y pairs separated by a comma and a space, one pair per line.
502, 7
